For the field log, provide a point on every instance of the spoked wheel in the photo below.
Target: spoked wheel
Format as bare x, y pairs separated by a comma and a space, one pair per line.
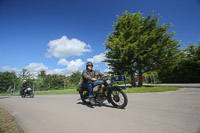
119, 99
22, 94
84, 96
31, 95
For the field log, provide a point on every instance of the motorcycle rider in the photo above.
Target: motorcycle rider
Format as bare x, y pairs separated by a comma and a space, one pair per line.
24, 86
89, 80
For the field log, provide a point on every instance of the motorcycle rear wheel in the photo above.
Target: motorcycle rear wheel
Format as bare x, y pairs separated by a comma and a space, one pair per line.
31, 95
84, 97
22, 94
119, 99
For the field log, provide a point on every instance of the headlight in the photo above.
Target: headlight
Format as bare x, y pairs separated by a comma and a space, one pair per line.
108, 81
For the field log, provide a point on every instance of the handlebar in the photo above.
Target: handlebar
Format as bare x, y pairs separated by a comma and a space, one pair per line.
102, 77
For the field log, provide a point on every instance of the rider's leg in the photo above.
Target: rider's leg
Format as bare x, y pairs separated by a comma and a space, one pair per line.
23, 90
89, 86
99, 83
90, 89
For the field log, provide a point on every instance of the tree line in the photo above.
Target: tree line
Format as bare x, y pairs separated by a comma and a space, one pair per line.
40, 82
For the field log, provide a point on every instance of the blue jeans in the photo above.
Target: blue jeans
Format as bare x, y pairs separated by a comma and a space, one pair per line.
90, 87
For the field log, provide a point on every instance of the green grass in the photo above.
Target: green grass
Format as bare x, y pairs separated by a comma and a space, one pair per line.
150, 89
49, 92
8, 123
8, 94
129, 90
56, 92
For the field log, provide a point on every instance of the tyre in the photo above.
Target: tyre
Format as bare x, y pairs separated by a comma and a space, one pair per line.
22, 94
84, 97
119, 99
31, 95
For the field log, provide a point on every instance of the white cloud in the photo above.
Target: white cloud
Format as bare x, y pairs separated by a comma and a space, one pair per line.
63, 62
7, 68
56, 71
36, 67
72, 66
32, 67
65, 47
108, 69
97, 58
95, 66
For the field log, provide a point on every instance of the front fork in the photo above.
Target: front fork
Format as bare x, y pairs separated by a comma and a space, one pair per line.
110, 90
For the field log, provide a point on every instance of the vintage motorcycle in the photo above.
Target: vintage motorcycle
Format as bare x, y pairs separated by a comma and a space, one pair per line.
113, 94
27, 92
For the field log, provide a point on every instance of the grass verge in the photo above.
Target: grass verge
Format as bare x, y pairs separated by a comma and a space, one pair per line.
150, 89
128, 90
56, 92
8, 123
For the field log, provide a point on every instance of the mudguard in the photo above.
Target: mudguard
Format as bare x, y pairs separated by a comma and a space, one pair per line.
116, 88
110, 92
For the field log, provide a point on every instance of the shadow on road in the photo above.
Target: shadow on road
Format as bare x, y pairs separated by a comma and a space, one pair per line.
88, 105
97, 105
27, 97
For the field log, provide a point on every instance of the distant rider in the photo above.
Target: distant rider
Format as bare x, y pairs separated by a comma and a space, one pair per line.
24, 86
89, 80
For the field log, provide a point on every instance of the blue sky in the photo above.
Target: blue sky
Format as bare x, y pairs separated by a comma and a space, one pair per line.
60, 36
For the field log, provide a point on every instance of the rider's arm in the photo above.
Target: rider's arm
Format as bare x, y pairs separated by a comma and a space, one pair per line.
98, 74
86, 76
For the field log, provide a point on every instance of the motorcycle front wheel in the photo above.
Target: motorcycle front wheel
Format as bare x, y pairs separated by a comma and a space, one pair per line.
119, 99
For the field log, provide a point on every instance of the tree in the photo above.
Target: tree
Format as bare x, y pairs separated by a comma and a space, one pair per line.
25, 74
7, 79
53, 81
42, 74
56, 81
141, 40
186, 69
75, 78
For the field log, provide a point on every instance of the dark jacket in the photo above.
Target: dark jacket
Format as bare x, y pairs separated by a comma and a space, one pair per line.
24, 85
88, 75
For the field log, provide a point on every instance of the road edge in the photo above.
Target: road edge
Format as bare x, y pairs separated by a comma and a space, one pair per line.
8, 122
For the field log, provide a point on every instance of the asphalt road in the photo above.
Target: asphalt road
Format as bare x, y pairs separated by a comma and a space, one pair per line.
166, 112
